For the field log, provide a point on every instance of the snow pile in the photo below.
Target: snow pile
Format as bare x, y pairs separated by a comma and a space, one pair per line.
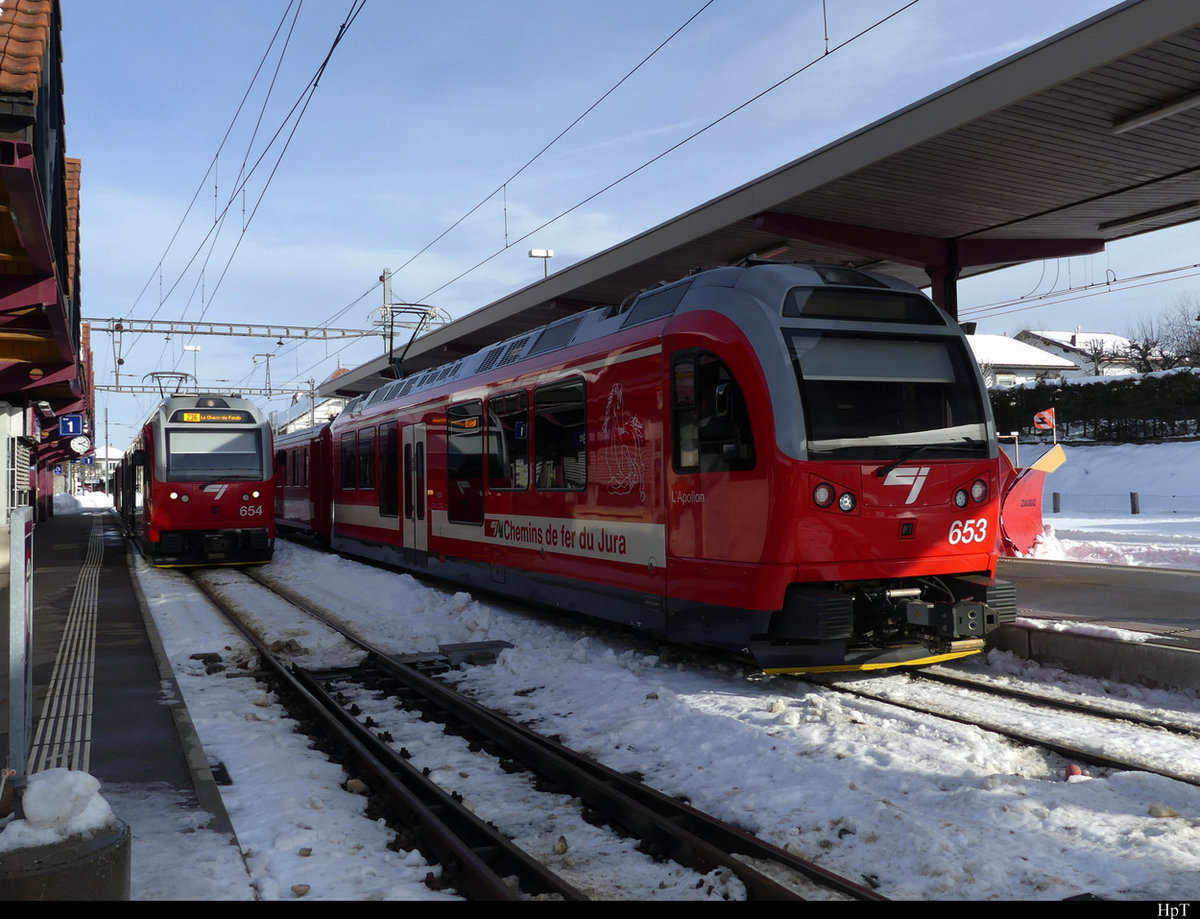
58, 804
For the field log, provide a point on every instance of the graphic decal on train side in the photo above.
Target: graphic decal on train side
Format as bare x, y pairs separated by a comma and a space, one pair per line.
613, 540
624, 436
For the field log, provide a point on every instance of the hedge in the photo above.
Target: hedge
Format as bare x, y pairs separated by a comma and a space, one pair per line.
1128, 409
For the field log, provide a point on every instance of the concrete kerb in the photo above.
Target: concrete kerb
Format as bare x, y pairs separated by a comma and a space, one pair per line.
1156, 662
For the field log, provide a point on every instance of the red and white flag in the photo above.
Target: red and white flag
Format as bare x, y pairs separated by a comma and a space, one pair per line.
1044, 421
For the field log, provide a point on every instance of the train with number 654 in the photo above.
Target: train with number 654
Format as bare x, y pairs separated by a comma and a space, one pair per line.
196, 487
793, 461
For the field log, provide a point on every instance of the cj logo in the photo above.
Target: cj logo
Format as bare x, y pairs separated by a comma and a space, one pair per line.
914, 476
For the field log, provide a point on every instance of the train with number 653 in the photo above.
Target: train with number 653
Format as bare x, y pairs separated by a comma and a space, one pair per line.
196, 487
793, 461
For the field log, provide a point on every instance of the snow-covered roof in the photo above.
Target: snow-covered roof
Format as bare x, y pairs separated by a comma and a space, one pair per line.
1083, 340
1002, 351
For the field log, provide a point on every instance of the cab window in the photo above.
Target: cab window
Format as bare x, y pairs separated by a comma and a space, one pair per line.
710, 419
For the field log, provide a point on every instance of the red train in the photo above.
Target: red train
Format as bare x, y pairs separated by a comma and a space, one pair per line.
196, 487
794, 461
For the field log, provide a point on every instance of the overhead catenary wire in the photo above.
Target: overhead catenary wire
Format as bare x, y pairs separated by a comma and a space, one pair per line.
502, 187
646, 164
1069, 294
157, 271
531, 160
294, 116
671, 149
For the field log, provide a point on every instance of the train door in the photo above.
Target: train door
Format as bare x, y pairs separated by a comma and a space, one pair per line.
711, 518
416, 523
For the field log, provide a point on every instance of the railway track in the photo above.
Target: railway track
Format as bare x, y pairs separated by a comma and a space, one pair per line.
1082, 731
482, 861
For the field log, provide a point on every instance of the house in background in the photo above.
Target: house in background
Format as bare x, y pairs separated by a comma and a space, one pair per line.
1008, 362
1096, 354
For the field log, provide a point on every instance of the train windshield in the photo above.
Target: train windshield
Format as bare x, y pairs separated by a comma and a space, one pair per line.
213, 454
881, 397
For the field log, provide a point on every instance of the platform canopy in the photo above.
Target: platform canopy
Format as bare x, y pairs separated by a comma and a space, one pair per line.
1085, 138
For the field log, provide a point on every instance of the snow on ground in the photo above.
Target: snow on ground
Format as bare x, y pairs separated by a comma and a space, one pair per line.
926, 811
1096, 523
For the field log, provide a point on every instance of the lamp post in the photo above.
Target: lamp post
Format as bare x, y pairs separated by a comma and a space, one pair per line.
545, 255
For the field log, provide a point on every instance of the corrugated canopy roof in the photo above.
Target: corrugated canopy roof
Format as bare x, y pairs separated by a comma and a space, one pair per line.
1085, 138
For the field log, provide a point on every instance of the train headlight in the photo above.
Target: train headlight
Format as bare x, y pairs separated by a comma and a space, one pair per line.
847, 502
979, 491
823, 495
255, 493
174, 495
961, 498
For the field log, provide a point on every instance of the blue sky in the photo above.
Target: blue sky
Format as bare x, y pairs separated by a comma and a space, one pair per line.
423, 119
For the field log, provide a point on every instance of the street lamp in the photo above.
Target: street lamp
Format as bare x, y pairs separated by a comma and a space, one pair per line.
545, 255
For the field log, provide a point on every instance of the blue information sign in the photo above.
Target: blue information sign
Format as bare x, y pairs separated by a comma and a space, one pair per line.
70, 424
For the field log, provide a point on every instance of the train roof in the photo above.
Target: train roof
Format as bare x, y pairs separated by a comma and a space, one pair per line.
766, 281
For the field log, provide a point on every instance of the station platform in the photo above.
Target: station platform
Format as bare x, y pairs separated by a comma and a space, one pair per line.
104, 700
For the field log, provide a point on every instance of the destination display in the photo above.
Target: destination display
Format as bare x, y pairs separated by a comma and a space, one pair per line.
212, 416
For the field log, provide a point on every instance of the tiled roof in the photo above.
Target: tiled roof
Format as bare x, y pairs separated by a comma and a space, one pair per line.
24, 36
73, 167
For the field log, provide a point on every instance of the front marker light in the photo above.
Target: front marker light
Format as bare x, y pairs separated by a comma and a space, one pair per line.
979, 491
960, 498
823, 495
847, 502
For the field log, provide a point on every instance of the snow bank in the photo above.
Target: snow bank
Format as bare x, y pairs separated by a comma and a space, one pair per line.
75, 504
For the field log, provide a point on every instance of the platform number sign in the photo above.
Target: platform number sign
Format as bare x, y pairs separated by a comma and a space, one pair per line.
69, 425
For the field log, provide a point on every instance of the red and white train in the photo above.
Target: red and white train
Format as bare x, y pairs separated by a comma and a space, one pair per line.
196, 487
795, 461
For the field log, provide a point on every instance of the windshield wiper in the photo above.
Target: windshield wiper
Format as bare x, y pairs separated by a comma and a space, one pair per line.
884, 470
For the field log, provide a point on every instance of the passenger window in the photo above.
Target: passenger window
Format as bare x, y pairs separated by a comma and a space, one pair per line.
389, 469
464, 462
710, 419
349, 451
508, 438
560, 436
366, 458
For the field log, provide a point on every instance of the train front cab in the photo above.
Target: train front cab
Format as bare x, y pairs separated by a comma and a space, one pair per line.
206, 488
835, 500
